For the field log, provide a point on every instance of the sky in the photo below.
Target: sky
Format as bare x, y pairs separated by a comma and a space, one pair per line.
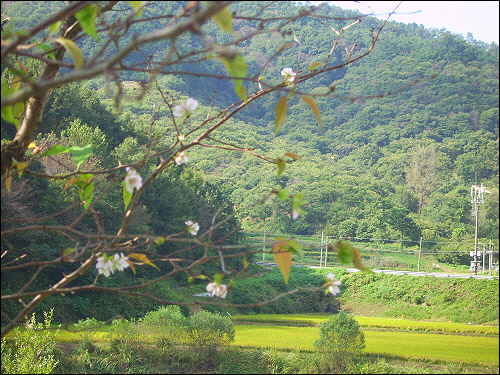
477, 17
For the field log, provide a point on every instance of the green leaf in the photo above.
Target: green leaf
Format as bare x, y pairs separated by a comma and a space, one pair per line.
54, 27
224, 19
18, 109
8, 116
67, 251
280, 112
160, 240
295, 248
73, 50
137, 4
218, 277
45, 48
281, 166
314, 65
310, 102
57, 149
86, 19
283, 194
237, 67
345, 252
127, 196
81, 153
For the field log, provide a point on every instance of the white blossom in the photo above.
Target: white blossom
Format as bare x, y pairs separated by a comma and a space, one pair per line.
289, 74
120, 262
132, 180
105, 266
216, 290
181, 158
295, 214
192, 227
333, 286
185, 108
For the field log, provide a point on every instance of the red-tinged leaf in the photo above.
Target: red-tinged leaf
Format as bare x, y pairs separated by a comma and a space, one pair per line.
131, 264
280, 112
70, 182
143, 258
283, 259
292, 155
310, 102
286, 45
357, 261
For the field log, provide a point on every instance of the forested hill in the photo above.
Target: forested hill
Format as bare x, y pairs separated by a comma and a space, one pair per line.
404, 135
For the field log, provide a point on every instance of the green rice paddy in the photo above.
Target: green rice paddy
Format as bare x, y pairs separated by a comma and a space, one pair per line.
443, 347
370, 322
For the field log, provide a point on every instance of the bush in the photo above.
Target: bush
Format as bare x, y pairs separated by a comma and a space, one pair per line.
34, 351
170, 316
210, 334
340, 341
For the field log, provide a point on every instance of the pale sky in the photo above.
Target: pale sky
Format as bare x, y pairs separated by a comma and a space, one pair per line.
477, 17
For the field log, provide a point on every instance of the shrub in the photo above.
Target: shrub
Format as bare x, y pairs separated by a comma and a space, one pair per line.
210, 334
170, 316
340, 341
34, 350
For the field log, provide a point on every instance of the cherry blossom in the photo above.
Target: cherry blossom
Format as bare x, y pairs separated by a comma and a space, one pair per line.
120, 262
192, 227
333, 286
216, 290
186, 108
132, 180
181, 158
289, 74
105, 265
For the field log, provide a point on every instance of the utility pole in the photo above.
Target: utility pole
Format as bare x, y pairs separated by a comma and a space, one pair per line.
264, 247
321, 256
419, 252
326, 249
477, 198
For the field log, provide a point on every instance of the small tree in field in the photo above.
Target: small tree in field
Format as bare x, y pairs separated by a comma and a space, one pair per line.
340, 341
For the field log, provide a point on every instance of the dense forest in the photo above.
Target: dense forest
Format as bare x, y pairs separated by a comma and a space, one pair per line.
407, 131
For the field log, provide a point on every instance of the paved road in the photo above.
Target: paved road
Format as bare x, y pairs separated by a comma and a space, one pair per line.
409, 273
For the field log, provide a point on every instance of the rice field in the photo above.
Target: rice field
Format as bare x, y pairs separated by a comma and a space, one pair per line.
370, 322
432, 346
